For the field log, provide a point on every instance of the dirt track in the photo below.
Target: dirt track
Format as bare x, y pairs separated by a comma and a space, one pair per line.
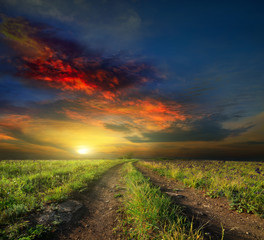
100, 211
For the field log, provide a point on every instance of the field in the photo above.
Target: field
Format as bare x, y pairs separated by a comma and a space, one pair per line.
125, 192
241, 182
28, 185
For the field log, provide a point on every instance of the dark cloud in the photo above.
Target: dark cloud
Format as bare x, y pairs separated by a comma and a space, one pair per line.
243, 144
206, 129
67, 65
113, 22
52, 109
255, 142
42, 110
118, 128
7, 107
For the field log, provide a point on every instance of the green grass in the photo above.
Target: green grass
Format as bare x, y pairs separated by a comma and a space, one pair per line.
240, 182
149, 214
26, 186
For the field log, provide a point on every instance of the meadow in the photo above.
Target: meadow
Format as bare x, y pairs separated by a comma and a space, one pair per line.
242, 183
28, 185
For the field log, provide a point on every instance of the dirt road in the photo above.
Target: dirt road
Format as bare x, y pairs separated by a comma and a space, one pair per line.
99, 211
100, 204
208, 212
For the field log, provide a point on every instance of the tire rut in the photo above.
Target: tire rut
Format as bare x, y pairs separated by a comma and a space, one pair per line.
208, 212
99, 214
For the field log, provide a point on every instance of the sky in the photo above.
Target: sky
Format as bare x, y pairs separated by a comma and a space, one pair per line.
177, 79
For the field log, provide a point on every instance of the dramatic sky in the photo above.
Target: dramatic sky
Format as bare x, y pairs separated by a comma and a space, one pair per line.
165, 78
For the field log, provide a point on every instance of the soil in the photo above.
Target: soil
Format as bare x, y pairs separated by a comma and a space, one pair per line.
99, 211
207, 212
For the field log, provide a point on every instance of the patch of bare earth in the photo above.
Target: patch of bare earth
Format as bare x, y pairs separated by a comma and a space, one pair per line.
208, 212
99, 212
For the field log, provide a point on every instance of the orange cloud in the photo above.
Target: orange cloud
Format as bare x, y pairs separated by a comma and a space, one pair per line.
5, 137
149, 113
13, 121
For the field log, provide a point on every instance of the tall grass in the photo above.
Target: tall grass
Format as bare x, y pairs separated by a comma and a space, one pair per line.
151, 214
240, 182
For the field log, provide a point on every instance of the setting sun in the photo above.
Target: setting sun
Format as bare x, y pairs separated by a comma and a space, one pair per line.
83, 150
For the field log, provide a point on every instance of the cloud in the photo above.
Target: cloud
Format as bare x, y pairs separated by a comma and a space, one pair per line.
9, 151
4, 137
66, 65
140, 114
115, 24
15, 128
254, 143
108, 88
244, 143
204, 129
7, 107
118, 128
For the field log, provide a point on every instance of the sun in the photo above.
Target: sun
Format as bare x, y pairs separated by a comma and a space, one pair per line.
83, 150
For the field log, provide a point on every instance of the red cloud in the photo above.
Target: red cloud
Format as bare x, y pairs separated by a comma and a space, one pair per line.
66, 65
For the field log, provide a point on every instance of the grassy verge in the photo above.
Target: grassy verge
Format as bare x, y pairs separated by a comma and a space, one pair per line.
149, 214
240, 182
26, 186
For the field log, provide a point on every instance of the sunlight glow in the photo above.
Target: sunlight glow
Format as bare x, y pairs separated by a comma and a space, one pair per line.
83, 150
